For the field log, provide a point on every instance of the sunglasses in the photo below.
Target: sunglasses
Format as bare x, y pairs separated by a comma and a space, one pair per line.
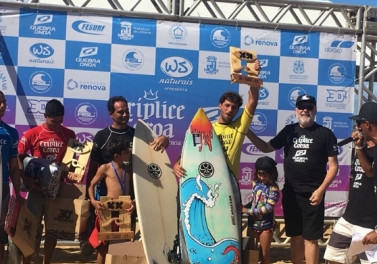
359, 122
308, 107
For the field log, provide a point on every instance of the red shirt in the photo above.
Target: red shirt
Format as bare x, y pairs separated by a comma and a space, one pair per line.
44, 143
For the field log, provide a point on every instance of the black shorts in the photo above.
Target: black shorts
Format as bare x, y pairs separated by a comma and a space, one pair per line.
4, 210
300, 217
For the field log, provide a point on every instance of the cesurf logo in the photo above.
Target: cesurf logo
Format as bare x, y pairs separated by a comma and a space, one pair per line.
86, 113
220, 37
177, 67
293, 94
337, 73
86, 27
40, 82
133, 59
259, 122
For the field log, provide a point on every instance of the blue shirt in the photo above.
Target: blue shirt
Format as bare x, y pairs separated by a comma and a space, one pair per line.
8, 144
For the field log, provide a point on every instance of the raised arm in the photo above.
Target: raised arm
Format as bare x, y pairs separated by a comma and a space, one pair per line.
252, 101
259, 143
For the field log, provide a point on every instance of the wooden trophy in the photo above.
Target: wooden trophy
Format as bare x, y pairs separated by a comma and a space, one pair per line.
76, 159
242, 61
114, 215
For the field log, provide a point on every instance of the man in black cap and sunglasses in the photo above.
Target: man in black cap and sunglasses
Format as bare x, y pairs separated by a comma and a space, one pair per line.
308, 149
366, 121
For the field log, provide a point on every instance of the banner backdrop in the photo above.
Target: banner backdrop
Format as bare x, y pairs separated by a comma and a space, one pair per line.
168, 69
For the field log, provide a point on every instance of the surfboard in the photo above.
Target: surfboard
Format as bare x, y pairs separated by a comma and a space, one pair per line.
209, 220
155, 193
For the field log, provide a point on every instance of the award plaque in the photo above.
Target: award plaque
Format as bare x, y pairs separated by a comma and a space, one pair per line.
242, 62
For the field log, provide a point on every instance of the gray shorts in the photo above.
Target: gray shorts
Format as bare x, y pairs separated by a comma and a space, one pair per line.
339, 248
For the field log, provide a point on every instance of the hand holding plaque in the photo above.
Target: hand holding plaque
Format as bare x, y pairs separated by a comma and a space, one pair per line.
243, 61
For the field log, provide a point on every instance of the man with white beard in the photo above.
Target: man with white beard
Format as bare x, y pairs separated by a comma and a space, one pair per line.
308, 149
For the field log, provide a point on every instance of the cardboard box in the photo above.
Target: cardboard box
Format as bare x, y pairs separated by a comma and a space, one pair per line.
125, 252
66, 218
71, 190
28, 232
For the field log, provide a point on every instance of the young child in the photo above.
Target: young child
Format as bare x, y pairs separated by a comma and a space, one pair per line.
118, 178
260, 209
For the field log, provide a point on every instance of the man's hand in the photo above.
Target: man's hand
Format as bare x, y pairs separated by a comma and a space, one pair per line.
160, 143
178, 170
370, 238
316, 197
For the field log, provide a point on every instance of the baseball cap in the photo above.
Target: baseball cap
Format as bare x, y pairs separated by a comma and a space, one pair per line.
368, 112
306, 98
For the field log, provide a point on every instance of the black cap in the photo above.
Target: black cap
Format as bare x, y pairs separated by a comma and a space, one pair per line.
306, 98
368, 112
265, 163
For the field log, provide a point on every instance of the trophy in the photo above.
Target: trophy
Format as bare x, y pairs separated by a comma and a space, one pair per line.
242, 61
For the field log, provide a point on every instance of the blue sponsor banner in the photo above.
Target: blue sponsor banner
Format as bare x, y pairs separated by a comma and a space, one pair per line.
339, 123
87, 56
42, 24
288, 94
218, 37
180, 64
40, 82
268, 64
134, 31
8, 51
264, 122
300, 44
10, 112
336, 73
86, 113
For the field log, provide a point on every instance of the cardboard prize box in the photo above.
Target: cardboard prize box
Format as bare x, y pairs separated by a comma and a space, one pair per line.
28, 232
66, 218
125, 252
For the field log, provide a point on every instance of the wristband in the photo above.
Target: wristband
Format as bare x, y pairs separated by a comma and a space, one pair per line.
358, 147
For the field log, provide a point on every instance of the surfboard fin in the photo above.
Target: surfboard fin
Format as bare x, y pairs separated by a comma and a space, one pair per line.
172, 255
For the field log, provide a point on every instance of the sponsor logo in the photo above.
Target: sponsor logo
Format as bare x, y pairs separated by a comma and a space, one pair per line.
84, 137
125, 31
86, 113
299, 45
40, 82
211, 65
86, 27
220, 37
150, 96
291, 119
85, 85
83, 59
133, 59
41, 50
268, 42
263, 93
327, 121
178, 32
246, 176
40, 28
337, 73
259, 123
176, 67
3, 82
298, 67
337, 46
293, 94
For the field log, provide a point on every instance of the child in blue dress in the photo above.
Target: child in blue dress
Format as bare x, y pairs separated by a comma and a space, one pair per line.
260, 209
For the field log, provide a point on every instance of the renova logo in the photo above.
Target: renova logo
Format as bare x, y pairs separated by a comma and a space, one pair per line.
40, 82
86, 27
41, 50
72, 84
86, 113
176, 67
337, 73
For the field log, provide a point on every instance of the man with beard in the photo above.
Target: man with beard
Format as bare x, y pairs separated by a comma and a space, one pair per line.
308, 149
